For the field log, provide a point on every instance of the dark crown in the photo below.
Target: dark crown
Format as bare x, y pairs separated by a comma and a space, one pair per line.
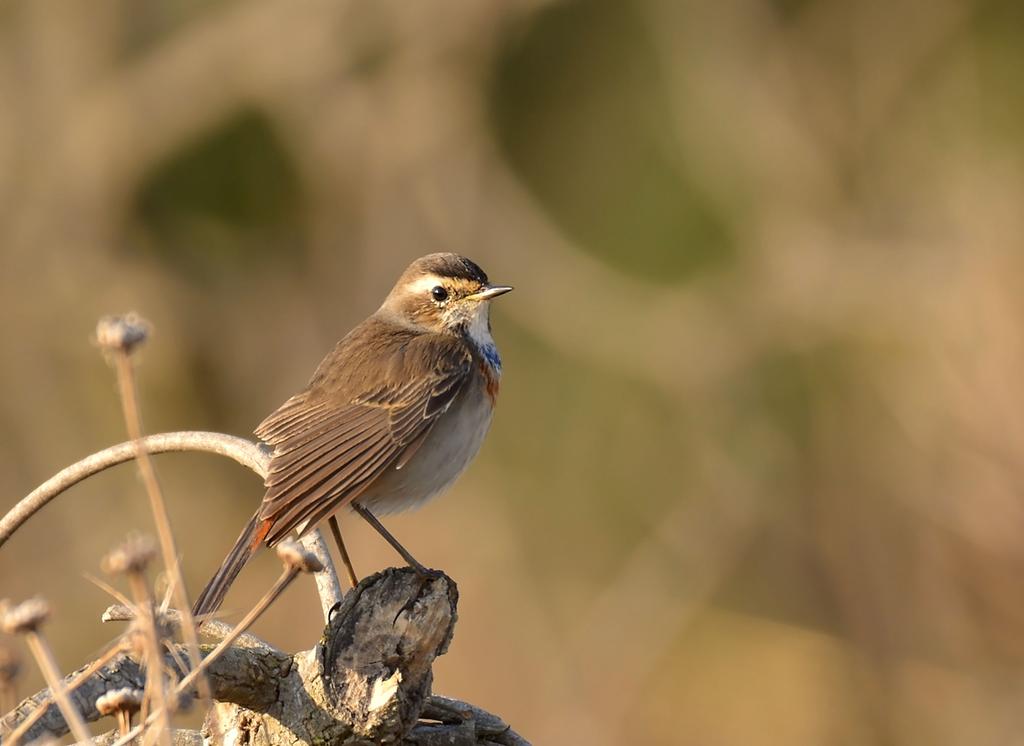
448, 265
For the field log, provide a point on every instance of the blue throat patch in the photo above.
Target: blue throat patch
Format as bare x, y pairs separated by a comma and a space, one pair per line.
490, 353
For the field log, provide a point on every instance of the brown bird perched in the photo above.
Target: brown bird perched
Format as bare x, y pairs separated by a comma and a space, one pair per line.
392, 416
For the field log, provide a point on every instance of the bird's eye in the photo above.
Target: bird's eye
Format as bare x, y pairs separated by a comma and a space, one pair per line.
439, 294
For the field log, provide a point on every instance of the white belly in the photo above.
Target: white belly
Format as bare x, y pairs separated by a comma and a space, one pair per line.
452, 443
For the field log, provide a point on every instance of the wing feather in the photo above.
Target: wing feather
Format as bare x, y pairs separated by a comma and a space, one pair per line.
302, 447
356, 420
328, 492
327, 463
295, 417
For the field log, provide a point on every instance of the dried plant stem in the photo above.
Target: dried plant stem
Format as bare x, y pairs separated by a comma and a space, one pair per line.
271, 595
124, 722
156, 696
262, 605
133, 422
328, 586
54, 679
245, 452
211, 627
70, 686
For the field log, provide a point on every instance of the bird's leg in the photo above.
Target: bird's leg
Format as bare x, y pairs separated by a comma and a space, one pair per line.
345, 559
372, 520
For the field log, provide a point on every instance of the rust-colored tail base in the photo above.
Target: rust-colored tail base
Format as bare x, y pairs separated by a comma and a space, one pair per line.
245, 547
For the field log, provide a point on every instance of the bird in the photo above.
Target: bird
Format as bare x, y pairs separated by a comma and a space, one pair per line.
391, 418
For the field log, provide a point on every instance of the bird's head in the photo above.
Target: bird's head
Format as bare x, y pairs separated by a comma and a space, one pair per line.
444, 293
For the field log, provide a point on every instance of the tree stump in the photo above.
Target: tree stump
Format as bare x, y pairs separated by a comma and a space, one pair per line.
369, 677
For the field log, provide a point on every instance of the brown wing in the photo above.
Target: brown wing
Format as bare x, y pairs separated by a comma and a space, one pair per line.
362, 414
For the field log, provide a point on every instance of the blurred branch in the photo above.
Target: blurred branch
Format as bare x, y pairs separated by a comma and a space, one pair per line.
236, 40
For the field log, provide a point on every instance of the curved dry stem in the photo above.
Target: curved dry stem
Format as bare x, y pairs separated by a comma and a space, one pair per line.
245, 452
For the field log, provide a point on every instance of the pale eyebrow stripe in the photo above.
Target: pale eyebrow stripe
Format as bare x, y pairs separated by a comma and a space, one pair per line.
425, 283
429, 282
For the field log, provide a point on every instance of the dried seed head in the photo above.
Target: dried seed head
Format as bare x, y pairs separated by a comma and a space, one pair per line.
297, 557
122, 333
24, 617
10, 665
124, 700
130, 557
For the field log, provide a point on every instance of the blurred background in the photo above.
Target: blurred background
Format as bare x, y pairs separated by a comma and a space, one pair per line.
756, 471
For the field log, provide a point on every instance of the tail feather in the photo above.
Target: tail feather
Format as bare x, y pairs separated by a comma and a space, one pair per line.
248, 542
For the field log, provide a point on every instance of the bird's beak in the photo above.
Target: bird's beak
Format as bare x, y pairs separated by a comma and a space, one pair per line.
491, 291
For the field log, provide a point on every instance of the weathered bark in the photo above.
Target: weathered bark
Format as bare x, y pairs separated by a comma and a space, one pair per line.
242, 675
367, 681
368, 678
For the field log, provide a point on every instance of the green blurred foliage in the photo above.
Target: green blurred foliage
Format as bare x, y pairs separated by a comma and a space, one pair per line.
221, 206
580, 106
